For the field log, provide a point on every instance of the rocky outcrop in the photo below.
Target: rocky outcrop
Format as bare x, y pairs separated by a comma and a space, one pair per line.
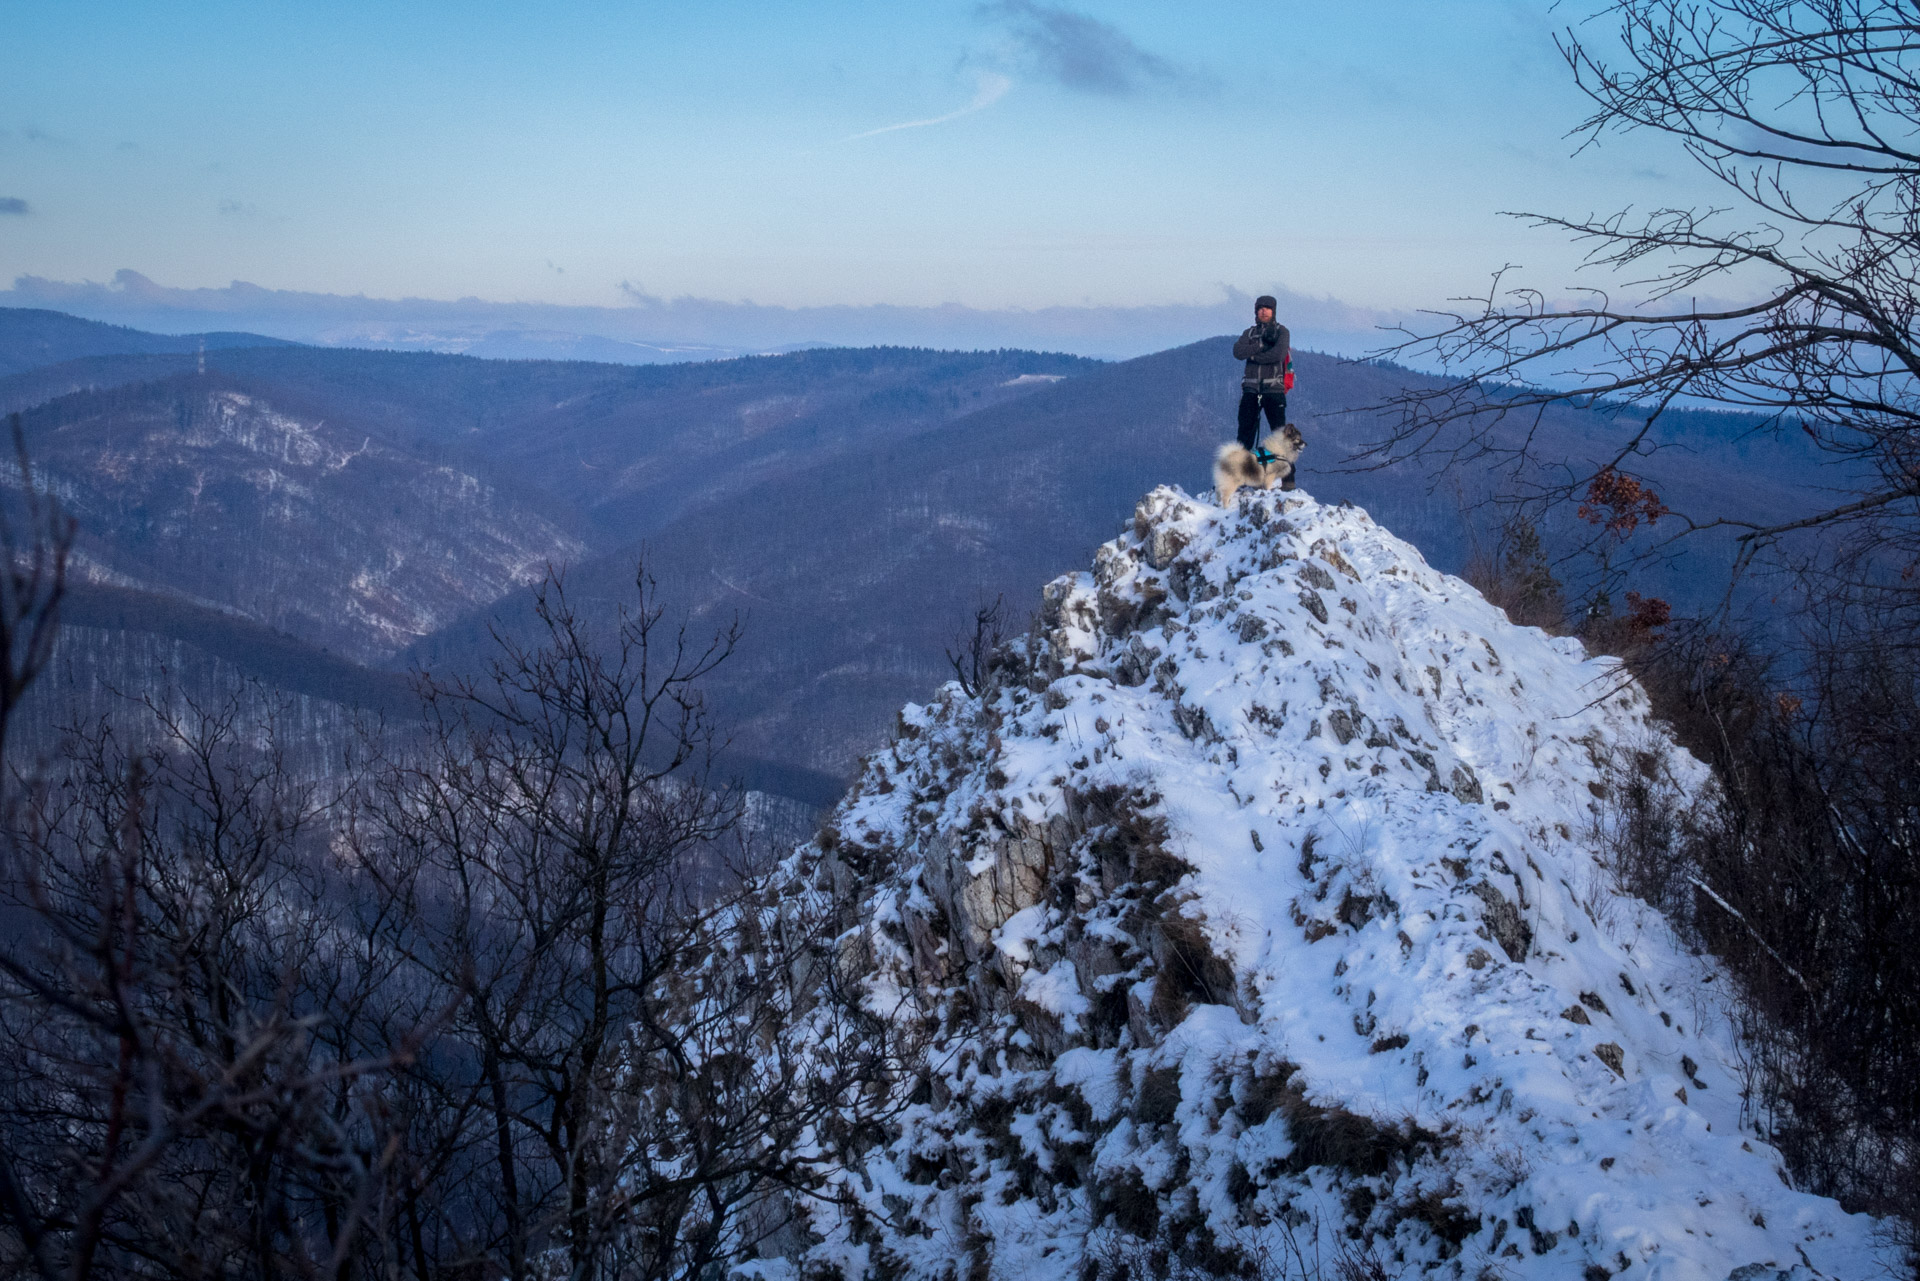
1241, 924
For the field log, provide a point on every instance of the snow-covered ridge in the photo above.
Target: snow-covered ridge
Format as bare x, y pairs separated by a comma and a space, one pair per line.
1250, 922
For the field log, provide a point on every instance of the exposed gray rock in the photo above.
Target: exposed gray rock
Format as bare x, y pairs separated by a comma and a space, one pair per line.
1509, 929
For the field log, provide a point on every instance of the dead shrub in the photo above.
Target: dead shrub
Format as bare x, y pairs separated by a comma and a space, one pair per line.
1645, 828
1262, 1093
1186, 959
1108, 1016
1158, 1097
1803, 878
1444, 1213
1126, 1199
1330, 1135
1170, 1003
1127, 840
1348, 1140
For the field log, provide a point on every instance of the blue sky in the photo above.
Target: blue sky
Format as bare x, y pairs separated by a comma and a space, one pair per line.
1112, 154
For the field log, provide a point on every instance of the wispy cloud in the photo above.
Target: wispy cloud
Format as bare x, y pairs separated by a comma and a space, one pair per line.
13, 205
993, 87
1083, 53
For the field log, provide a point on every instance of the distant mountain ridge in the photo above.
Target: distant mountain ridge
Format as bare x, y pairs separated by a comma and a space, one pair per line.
853, 505
330, 508
31, 339
856, 572
485, 327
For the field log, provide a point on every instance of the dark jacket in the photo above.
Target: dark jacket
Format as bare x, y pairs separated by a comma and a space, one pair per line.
1268, 351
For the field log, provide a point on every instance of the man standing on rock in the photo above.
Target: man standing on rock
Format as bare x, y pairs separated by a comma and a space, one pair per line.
1267, 348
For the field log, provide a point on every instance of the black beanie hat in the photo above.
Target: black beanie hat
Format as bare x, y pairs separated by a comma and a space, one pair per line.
1265, 300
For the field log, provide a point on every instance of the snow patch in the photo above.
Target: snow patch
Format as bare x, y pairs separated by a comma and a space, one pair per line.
1253, 912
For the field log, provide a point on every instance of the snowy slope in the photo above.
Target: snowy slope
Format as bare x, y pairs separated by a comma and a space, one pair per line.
1251, 922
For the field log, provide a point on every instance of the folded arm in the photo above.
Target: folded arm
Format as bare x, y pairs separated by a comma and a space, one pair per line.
1257, 344
1263, 345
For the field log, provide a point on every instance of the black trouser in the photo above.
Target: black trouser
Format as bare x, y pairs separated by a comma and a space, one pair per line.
1251, 403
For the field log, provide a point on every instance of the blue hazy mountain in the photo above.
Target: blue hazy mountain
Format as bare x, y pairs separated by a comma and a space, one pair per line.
31, 338
853, 505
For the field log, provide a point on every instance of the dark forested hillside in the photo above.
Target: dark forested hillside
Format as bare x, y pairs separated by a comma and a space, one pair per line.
854, 506
855, 573
200, 487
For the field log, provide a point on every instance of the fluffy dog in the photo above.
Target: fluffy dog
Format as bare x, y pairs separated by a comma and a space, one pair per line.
1234, 467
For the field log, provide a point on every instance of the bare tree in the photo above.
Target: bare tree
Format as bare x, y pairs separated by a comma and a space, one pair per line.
626, 1089
170, 1107
476, 1006
1807, 112
970, 654
35, 543
167, 960
535, 843
1800, 875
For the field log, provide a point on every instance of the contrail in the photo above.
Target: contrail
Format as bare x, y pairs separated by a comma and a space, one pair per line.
993, 87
